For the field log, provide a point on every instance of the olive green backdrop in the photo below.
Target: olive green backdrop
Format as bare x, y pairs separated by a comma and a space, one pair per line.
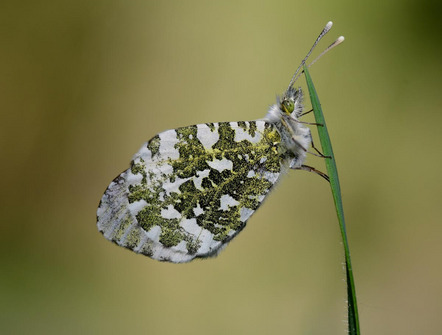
85, 83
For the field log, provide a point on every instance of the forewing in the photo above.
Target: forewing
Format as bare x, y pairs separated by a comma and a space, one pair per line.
190, 190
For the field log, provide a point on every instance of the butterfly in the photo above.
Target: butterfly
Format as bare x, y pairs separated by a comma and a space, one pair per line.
189, 191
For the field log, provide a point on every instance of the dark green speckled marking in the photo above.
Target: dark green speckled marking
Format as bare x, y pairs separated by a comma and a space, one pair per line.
154, 145
211, 126
249, 126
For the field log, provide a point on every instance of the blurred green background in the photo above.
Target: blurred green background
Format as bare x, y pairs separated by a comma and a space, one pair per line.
85, 83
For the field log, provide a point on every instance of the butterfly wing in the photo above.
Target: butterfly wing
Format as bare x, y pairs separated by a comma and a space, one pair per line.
190, 190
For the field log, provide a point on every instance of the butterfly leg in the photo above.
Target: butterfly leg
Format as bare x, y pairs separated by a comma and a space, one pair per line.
309, 123
304, 122
312, 169
311, 138
320, 154
305, 113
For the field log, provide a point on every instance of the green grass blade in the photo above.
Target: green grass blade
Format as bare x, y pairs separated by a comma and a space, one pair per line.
353, 316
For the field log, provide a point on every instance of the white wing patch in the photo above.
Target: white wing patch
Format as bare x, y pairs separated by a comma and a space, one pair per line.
206, 136
221, 165
227, 201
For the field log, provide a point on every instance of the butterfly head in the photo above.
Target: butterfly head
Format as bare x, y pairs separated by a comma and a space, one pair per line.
291, 102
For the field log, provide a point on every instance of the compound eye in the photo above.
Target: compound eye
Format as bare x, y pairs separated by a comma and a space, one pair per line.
288, 106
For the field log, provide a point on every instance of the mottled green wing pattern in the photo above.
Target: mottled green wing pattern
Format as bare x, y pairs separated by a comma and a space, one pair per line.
190, 190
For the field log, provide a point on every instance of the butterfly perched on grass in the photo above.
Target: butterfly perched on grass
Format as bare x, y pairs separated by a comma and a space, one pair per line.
190, 190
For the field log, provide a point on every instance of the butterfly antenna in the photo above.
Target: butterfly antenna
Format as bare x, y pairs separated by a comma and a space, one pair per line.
323, 32
338, 41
